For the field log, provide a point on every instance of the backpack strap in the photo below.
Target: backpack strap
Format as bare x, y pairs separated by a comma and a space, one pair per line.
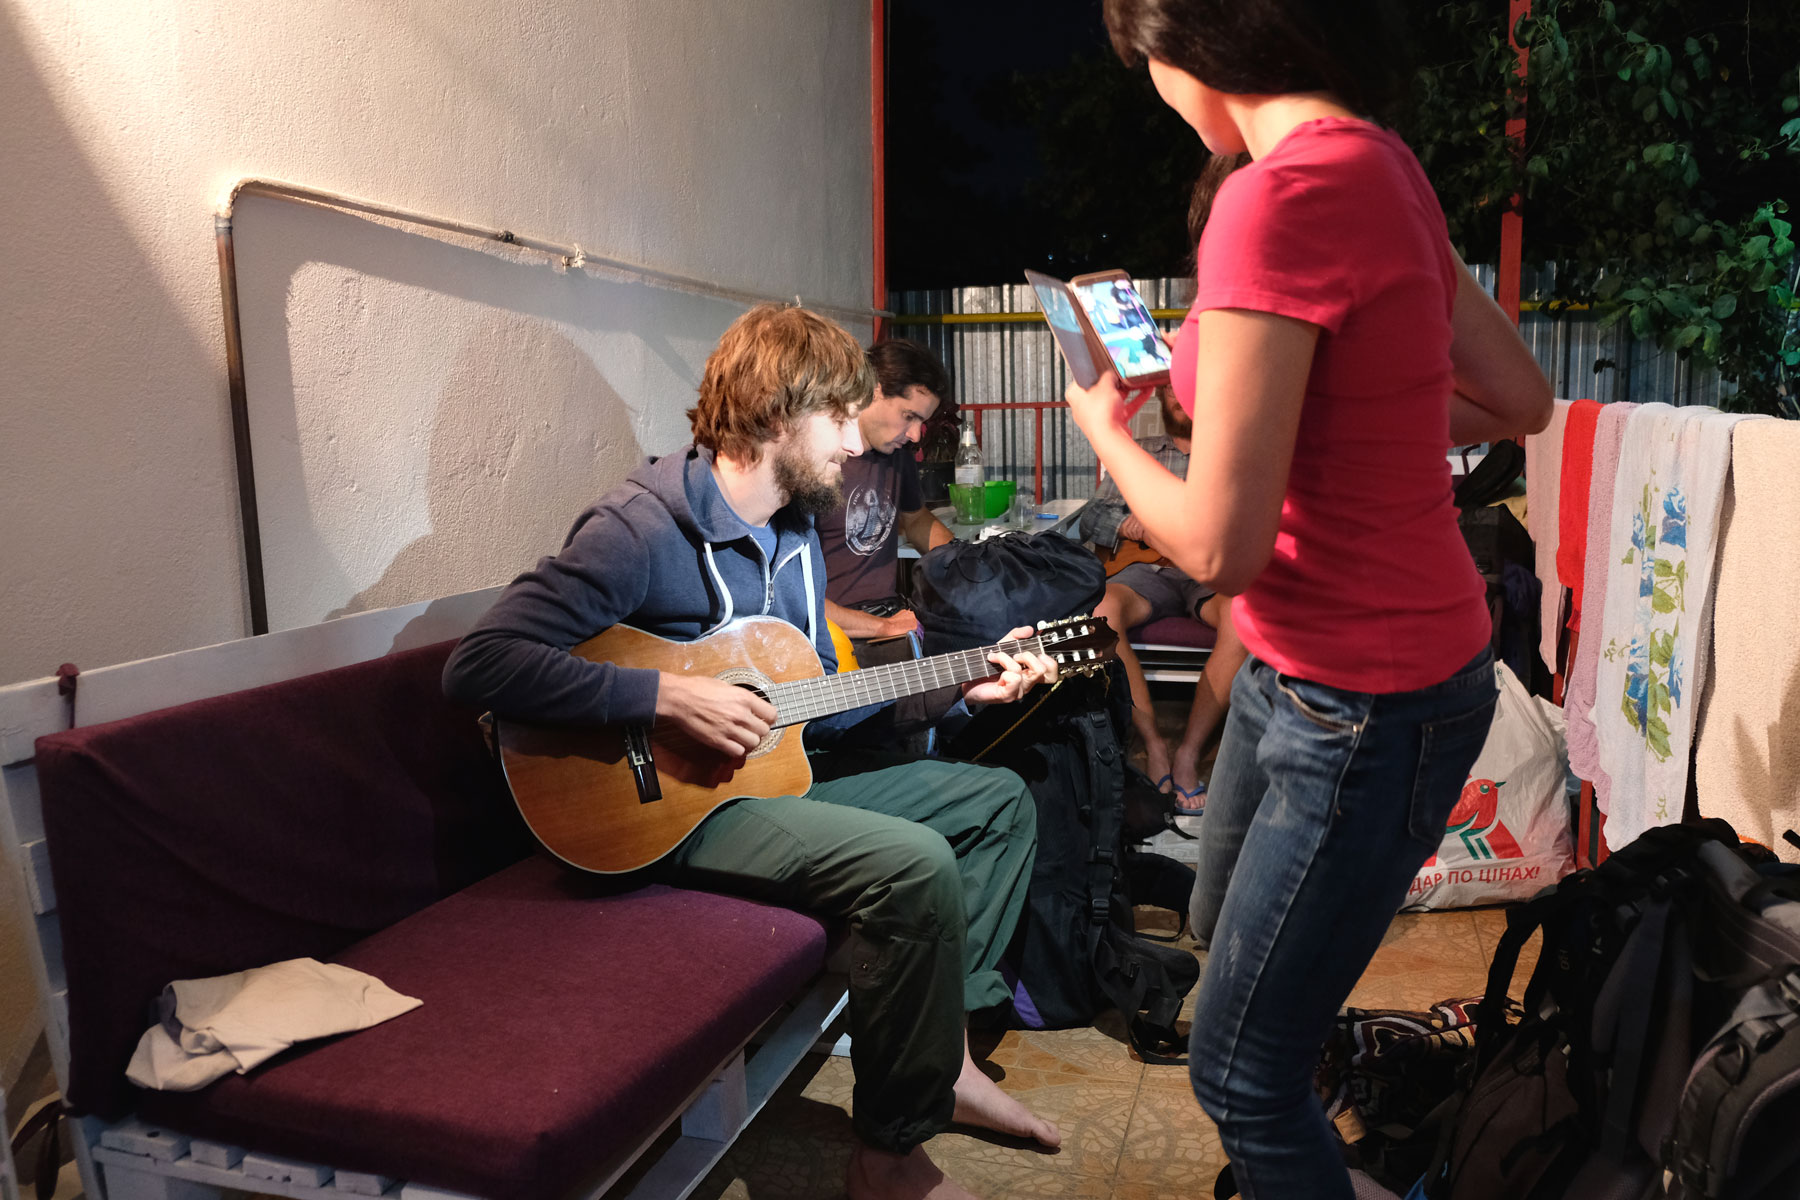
1491, 1023
1141, 985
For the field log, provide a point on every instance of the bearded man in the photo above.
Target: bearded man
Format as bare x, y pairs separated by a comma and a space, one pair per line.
927, 861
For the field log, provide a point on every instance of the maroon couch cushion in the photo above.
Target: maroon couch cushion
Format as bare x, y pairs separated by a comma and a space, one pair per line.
1175, 631
561, 1024
279, 822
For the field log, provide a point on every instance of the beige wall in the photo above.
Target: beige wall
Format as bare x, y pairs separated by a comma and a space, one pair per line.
427, 416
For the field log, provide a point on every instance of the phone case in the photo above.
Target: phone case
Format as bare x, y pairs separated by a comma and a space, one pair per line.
1155, 377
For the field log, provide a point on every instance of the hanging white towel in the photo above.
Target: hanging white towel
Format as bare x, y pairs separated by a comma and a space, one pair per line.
211, 1027
1747, 748
1543, 502
1656, 633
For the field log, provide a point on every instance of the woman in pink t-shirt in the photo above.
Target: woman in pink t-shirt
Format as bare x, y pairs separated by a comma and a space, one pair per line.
1336, 348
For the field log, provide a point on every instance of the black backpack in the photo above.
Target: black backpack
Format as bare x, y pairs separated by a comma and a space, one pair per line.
1657, 1048
1076, 952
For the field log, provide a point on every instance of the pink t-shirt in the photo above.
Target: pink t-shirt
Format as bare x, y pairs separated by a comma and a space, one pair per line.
1370, 587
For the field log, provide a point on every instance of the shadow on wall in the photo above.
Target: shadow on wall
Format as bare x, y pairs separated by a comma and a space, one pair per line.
121, 529
500, 484
429, 417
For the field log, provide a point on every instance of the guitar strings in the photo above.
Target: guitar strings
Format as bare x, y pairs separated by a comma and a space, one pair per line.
808, 699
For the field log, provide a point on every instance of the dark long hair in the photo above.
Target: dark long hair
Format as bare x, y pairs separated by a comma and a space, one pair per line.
1354, 49
1206, 189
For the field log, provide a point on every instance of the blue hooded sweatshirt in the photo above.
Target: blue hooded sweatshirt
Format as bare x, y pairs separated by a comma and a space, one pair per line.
662, 552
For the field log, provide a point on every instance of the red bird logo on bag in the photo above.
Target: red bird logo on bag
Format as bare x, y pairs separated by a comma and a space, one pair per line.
1476, 820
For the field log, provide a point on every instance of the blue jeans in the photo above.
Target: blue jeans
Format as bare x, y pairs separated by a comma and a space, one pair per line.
1322, 806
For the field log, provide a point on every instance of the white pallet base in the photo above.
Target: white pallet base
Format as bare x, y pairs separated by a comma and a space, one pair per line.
139, 1177
9, 1176
722, 1117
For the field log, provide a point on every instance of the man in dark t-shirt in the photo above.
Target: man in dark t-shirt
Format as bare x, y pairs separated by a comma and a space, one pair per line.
882, 499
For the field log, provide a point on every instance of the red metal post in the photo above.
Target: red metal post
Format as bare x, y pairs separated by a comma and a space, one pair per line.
878, 148
1512, 221
1037, 466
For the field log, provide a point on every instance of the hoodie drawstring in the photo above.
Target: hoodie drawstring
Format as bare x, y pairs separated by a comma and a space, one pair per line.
806, 571
724, 592
812, 604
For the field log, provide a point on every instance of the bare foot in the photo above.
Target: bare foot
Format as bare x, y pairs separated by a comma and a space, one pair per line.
882, 1175
1186, 767
980, 1102
1156, 761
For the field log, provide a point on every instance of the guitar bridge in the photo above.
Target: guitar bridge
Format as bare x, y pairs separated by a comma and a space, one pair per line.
643, 764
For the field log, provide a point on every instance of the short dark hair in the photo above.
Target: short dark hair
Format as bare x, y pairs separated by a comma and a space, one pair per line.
1354, 49
776, 365
900, 364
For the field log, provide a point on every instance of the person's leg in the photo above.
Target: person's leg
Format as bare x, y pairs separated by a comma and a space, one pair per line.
1358, 787
896, 884
1233, 797
1212, 694
1130, 601
984, 814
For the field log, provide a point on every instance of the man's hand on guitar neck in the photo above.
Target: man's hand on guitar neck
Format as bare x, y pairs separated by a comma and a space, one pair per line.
730, 719
1018, 673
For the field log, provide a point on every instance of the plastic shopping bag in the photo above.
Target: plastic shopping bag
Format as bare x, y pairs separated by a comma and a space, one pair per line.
1508, 836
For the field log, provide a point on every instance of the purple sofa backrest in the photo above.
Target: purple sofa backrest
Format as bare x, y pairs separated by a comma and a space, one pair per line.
278, 822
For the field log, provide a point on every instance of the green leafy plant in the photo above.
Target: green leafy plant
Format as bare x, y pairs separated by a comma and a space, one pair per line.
1662, 147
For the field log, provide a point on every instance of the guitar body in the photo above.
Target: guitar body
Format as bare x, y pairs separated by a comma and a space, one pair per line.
617, 798
576, 788
1127, 552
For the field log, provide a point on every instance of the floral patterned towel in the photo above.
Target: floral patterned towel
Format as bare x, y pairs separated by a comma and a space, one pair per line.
1656, 633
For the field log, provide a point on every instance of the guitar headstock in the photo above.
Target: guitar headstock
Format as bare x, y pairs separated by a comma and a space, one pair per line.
1081, 645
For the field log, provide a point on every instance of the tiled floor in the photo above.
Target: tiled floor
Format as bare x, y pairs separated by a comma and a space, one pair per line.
1131, 1131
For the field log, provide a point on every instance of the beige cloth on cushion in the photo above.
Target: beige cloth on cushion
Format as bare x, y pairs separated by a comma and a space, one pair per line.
211, 1027
1543, 501
1747, 759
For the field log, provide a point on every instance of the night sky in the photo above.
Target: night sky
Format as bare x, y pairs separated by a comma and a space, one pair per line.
967, 191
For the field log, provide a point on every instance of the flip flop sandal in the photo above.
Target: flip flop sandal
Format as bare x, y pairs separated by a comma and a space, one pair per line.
1166, 785
1184, 804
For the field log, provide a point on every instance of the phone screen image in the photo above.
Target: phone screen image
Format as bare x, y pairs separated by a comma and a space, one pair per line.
1126, 328
1065, 325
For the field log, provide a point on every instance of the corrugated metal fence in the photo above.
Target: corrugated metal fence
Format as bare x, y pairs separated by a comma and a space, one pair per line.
1010, 358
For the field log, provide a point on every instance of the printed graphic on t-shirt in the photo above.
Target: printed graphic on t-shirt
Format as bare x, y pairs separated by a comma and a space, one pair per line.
868, 520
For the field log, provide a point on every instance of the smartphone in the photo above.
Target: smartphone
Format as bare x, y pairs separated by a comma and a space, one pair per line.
1101, 324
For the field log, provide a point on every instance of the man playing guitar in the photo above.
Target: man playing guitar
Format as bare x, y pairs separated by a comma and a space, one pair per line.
927, 861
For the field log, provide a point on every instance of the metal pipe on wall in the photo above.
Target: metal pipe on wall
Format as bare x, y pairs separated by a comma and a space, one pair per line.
569, 257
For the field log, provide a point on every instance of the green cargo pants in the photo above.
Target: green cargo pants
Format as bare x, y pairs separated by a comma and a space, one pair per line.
928, 862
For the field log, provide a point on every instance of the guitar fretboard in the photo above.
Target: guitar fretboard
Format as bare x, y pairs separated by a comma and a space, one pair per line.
808, 699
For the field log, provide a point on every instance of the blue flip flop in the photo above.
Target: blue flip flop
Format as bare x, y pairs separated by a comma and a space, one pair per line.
1168, 780
1184, 805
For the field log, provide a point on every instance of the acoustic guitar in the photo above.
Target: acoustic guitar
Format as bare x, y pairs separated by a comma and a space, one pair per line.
616, 798
1127, 552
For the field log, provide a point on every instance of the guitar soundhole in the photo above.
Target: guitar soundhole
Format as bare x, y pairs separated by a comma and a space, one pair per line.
759, 683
